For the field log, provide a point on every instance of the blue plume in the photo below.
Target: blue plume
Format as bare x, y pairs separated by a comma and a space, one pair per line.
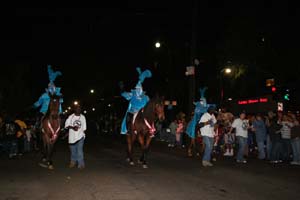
145, 74
52, 74
139, 70
202, 91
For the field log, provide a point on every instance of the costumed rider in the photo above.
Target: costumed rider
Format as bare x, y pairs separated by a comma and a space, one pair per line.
137, 101
201, 107
44, 99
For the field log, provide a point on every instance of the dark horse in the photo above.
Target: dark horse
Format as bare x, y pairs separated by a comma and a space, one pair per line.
50, 130
143, 129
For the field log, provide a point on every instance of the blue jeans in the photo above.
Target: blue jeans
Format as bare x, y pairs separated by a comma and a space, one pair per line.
276, 150
10, 147
296, 149
77, 152
171, 138
208, 141
269, 147
286, 149
261, 150
242, 145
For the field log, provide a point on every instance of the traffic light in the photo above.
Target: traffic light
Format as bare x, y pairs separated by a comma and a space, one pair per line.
273, 89
286, 97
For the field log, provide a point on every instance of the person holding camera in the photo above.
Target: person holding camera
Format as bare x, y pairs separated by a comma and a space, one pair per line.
207, 123
76, 124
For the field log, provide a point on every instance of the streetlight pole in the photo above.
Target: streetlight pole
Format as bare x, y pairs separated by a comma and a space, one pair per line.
191, 78
226, 71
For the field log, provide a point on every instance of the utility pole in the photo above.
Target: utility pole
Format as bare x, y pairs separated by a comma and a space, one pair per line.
191, 78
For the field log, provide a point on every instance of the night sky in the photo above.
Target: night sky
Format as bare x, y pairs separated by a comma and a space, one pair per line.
99, 46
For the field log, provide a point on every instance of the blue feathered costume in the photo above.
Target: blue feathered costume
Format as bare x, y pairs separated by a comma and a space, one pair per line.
200, 108
44, 99
137, 99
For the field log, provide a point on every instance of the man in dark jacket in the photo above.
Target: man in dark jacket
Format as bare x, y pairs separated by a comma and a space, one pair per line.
275, 136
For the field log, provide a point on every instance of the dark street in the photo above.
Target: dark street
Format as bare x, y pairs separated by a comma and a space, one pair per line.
171, 175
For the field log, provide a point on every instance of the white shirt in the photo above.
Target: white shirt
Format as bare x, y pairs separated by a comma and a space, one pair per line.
241, 127
80, 122
208, 130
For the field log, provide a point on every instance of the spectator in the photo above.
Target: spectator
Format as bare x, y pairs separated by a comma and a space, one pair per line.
241, 126
295, 136
21, 135
260, 130
207, 124
172, 133
286, 136
76, 123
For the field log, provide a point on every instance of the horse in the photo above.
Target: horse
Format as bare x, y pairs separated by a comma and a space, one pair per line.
143, 129
50, 131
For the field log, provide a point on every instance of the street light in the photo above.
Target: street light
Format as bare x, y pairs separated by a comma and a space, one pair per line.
157, 44
225, 71
92, 91
75, 103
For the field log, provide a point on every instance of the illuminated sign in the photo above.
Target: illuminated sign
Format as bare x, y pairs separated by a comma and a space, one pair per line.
190, 70
280, 106
270, 82
252, 101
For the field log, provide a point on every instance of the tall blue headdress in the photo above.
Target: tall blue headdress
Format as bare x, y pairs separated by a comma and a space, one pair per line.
52, 74
202, 93
142, 75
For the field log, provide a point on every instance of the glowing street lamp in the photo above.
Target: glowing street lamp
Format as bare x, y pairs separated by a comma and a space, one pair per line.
157, 44
93, 109
75, 103
92, 91
228, 70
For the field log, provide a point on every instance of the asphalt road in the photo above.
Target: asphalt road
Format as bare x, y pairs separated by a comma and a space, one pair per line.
171, 175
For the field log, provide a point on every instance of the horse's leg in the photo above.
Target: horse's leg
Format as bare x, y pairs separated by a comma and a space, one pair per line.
50, 153
146, 150
141, 139
48, 148
191, 147
130, 141
44, 151
44, 148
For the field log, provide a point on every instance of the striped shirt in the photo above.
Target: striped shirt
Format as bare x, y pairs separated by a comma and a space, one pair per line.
286, 130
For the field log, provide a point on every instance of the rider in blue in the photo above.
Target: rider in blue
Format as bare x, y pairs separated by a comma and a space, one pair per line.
44, 99
137, 101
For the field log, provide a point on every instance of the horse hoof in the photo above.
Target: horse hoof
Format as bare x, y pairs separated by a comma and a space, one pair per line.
145, 166
128, 159
44, 160
50, 167
131, 163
